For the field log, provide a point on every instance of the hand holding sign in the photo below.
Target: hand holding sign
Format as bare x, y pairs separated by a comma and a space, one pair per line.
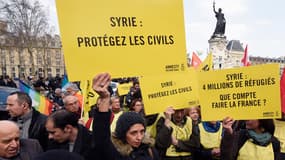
168, 114
227, 124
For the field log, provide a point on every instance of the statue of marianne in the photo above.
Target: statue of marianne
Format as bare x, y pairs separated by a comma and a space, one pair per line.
221, 21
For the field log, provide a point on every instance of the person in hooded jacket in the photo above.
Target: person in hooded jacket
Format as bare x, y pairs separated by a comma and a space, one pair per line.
128, 142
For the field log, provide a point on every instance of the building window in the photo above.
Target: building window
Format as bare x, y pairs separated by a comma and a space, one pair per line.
4, 70
49, 70
3, 58
49, 60
58, 55
48, 57
57, 71
41, 72
31, 59
12, 58
22, 71
39, 59
57, 62
13, 72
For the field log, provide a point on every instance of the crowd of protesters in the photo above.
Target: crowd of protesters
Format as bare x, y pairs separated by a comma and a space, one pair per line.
119, 130
7, 81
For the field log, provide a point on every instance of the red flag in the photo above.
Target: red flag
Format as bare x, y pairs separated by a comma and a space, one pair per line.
195, 60
282, 91
245, 60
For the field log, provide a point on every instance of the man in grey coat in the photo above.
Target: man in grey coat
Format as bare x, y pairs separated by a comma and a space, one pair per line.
14, 148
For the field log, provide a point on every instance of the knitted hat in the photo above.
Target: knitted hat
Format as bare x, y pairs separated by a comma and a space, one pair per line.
124, 123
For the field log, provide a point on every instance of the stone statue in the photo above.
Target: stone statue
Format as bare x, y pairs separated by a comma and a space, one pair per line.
221, 22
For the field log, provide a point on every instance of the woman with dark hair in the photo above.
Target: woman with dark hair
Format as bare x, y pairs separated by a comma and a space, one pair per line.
137, 106
128, 141
256, 141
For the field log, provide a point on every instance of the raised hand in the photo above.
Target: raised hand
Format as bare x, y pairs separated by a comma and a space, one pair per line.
168, 112
100, 86
227, 124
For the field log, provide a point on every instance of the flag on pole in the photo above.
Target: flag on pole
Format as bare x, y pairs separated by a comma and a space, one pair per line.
40, 102
195, 60
245, 60
282, 91
207, 64
89, 97
64, 81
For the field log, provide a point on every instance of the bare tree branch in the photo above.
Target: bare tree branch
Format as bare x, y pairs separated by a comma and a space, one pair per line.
27, 21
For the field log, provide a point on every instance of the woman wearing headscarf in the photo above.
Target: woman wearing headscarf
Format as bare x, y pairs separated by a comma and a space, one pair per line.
128, 142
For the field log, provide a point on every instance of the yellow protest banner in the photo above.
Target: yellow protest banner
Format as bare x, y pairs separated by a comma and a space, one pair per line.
179, 90
207, 64
124, 88
242, 93
89, 97
124, 38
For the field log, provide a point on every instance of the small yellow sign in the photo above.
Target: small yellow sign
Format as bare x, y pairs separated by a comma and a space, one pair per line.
124, 88
126, 38
242, 93
179, 90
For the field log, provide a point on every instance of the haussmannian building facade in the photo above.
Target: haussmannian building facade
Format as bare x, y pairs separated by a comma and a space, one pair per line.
261, 60
234, 52
16, 61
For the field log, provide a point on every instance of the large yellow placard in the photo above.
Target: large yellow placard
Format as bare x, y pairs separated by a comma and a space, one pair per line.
122, 37
179, 90
243, 93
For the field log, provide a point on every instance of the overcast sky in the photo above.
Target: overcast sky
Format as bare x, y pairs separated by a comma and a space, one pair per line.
258, 23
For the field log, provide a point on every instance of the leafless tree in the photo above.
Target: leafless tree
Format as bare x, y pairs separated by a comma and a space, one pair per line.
28, 21
45, 42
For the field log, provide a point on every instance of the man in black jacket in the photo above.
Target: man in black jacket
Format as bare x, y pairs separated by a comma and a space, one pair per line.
65, 133
30, 121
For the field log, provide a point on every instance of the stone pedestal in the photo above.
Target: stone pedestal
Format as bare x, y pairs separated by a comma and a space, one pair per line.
217, 46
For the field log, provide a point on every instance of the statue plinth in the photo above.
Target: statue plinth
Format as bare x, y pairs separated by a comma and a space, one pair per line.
217, 46
218, 36
218, 39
